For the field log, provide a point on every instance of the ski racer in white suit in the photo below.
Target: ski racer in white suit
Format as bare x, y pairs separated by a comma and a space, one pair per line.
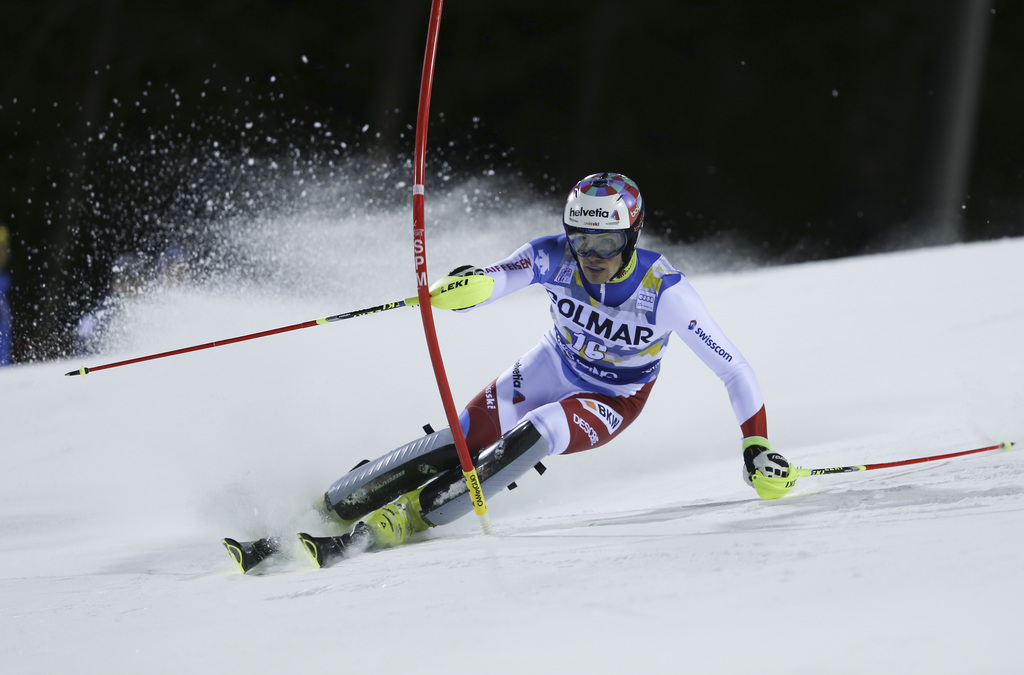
614, 307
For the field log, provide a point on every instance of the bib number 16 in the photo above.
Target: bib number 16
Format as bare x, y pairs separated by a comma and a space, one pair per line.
589, 349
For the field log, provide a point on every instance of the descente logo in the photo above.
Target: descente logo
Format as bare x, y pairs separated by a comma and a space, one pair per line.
587, 429
588, 213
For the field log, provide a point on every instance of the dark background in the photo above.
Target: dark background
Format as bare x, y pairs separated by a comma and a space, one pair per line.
807, 130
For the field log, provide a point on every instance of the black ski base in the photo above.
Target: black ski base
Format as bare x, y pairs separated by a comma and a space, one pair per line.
248, 554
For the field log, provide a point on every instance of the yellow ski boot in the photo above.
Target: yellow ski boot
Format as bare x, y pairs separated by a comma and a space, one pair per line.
396, 522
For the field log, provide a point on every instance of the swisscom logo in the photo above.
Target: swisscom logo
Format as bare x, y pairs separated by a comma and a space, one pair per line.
710, 341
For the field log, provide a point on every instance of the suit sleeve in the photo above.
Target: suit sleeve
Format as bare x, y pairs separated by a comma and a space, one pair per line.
682, 310
531, 263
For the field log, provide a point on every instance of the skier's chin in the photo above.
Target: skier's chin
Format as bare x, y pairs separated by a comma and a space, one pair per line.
596, 274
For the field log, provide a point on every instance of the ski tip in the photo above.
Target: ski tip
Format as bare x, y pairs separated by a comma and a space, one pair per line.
236, 552
312, 548
325, 551
249, 554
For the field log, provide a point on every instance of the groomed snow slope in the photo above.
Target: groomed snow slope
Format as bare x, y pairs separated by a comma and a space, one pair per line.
649, 553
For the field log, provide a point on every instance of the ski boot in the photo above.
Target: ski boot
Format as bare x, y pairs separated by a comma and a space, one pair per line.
394, 523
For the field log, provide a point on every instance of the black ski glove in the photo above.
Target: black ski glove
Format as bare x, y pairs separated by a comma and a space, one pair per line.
466, 271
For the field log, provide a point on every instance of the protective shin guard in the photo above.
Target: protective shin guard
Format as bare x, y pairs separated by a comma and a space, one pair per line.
371, 486
446, 498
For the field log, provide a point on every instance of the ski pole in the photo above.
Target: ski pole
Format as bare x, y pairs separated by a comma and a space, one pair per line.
446, 293
800, 472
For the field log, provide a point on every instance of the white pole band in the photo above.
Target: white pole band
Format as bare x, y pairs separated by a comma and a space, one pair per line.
418, 189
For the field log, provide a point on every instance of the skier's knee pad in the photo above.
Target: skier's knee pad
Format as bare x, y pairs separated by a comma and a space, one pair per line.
374, 484
447, 498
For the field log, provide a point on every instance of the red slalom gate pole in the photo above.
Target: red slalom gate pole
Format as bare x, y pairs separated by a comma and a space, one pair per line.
420, 255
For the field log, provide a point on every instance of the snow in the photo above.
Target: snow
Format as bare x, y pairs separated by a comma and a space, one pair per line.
649, 553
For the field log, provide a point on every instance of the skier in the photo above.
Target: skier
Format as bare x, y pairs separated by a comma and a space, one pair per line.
613, 306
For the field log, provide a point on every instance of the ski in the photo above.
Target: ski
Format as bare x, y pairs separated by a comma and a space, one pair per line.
248, 554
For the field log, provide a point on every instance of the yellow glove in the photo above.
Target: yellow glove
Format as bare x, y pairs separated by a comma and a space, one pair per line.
463, 288
768, 472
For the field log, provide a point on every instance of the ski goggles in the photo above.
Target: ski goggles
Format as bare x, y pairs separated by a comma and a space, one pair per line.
600, 243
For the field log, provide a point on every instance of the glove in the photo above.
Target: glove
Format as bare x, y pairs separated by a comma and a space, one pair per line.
466, 271
465, 286
767, 471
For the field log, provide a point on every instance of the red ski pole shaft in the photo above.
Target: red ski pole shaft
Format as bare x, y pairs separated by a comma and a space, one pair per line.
1004, 445
408, 302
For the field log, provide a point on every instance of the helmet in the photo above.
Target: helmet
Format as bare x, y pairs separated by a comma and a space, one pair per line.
603, 216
